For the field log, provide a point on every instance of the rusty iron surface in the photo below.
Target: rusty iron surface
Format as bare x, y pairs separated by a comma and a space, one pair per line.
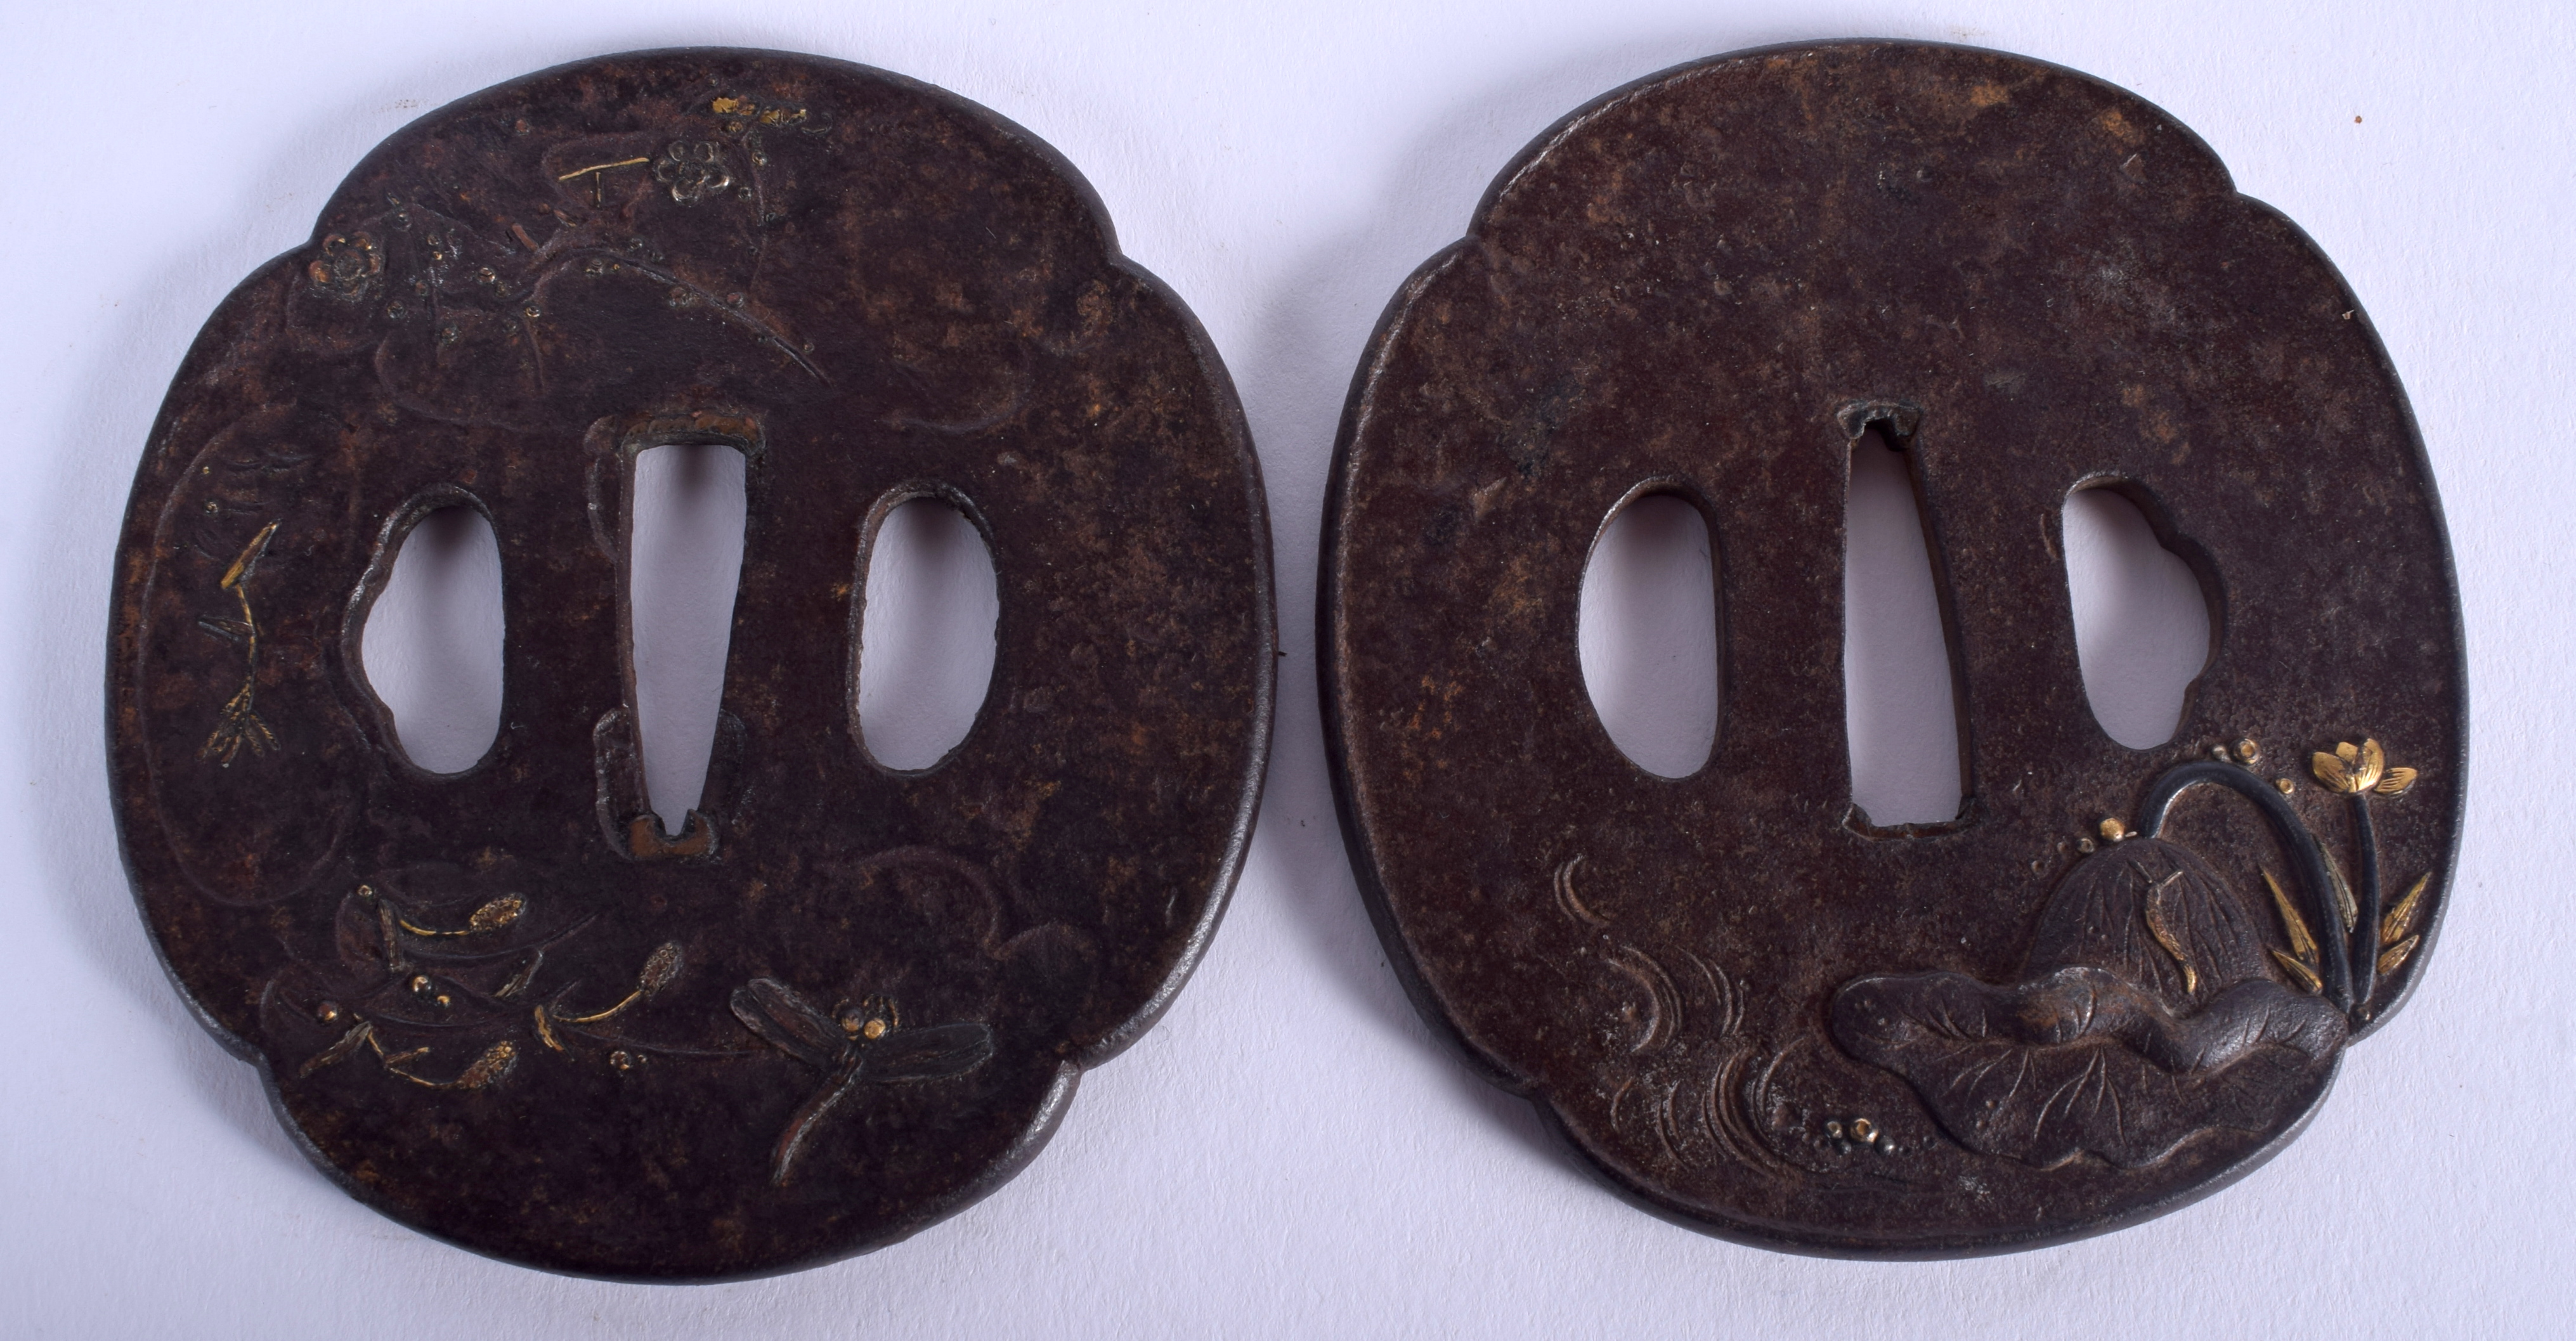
2080, 1003
505, 1007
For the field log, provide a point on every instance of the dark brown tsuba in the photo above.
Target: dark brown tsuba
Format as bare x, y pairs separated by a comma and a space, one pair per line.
503, 1006
2079, 1004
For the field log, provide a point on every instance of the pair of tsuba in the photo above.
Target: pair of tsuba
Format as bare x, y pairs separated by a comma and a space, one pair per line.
506, 1007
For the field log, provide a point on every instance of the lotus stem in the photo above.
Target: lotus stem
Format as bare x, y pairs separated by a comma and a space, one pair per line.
597, 1016
2361, 939
2308, 859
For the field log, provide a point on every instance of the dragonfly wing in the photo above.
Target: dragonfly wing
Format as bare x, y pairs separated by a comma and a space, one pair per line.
789, 1022
800, 1128
932, 1053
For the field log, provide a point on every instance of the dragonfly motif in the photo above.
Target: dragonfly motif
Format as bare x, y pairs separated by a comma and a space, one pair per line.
862, 1043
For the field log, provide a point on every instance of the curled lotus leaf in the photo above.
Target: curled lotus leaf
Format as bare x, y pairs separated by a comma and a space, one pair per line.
2149, 1012
2079, 1061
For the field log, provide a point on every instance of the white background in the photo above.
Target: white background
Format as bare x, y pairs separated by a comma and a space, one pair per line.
1287, 1154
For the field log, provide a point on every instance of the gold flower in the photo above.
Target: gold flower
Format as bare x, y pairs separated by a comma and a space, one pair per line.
346, 267
2352, 770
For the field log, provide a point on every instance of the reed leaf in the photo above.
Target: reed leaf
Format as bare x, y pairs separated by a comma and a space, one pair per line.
2301, 940
2401, 919
2307, 977
495, 1063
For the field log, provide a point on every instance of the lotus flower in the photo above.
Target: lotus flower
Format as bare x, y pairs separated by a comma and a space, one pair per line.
2352, 770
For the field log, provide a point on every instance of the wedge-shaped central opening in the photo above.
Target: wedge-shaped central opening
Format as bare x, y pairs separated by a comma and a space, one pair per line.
2142, 621
431, 644
1647, 634
929, 606
684, 552
1900, 704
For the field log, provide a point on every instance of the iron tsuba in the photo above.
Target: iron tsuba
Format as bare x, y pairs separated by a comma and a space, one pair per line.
503, 1006
2120, 978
